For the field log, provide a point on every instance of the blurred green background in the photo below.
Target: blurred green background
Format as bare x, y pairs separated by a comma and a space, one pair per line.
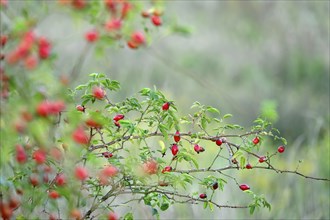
246, 58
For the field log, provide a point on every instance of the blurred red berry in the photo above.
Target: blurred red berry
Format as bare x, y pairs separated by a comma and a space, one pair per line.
98, 93
156, 20
150, 167
60, 179
79, 136
167, 169
92, 36
80, 108
21, 156
112, 216
81, 173
113, 25
39, 156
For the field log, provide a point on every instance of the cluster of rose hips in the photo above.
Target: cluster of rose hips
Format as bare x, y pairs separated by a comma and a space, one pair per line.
26, 53
112, 27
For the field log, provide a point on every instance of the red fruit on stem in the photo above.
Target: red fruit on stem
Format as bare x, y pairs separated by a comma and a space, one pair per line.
75, 214
145, 14
174, 149
166, 106
80, 108
256, 140
281, 149
202, 196
117, 124
197, 148
92, 36
30, 62
56, 107
3, 40
5, 211
262, 159
39, 156
53, 194
138, 38
132, 45
60, 179
81, 173
125, 9
244, 187
78, 4
150, 167
34, 180
248, 166
44, 52
109, 171
112, 216
167, 169
177, 136
156, 20
93, 124
107, 154
79, 136
43, 109
113, 25
98, 93
14, 202
21, 156
218, 142
118, 117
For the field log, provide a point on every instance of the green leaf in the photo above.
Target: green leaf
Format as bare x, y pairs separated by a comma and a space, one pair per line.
163, 129
227, 116
128, 216
211, 206
242, 162
237, 154
252, 208
205, 204
212, 110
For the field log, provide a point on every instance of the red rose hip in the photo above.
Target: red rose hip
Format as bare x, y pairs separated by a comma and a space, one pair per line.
218, 142
166, 106
177, 136
203, 196
244, 187
281, 149
256, 140
98, 93
174, 149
